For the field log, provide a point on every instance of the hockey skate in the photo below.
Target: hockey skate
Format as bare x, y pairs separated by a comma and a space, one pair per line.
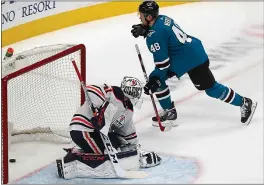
247, 110
167, 118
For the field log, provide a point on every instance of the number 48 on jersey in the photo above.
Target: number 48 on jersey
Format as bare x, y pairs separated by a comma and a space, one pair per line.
180, 35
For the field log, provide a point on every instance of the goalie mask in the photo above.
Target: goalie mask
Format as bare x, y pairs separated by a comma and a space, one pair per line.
132, 89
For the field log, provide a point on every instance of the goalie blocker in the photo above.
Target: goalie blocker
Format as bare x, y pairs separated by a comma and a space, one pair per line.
114, 107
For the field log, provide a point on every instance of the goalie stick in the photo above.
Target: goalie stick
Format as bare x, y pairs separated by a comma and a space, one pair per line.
108, 145
162, 128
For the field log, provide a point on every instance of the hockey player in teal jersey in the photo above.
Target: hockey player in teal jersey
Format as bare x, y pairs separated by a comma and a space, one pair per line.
176, 53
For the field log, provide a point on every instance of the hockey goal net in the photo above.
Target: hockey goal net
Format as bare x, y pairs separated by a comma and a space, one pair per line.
40, 93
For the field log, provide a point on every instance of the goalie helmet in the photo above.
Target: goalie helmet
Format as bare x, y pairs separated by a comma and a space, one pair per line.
132, 89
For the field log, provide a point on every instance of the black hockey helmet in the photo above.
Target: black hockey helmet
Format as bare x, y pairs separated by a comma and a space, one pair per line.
149, 8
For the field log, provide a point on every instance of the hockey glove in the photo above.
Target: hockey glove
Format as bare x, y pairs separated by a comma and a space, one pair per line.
149, 159
153, 84
139, 30
98, 121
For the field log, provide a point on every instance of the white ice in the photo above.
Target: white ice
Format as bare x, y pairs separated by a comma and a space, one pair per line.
208, 130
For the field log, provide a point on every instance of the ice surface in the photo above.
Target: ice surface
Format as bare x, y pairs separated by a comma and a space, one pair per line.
209, 130
174, 169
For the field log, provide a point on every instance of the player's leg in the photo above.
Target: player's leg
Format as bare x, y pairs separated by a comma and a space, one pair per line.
92, 161
86, 165
78, 164
89, 142
162, 94
203, 79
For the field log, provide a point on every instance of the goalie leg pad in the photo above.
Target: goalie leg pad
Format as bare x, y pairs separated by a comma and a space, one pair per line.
79, 165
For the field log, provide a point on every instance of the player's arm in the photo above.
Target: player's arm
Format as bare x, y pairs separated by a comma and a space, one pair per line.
126, 133
104, 116
158, 46
114, 102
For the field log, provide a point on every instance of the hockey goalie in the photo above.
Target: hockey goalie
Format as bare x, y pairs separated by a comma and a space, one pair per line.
114, 105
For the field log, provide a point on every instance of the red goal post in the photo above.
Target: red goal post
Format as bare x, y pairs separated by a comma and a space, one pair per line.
40, 93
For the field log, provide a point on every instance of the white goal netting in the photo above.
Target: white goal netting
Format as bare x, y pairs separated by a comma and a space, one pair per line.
43, 92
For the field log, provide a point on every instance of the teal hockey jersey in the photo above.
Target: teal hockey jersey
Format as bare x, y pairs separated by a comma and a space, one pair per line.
173, 49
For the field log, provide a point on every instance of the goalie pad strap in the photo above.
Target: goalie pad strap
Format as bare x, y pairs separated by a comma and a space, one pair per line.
95, 160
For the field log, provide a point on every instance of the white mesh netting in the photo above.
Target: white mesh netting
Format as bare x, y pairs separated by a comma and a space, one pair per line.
42, 102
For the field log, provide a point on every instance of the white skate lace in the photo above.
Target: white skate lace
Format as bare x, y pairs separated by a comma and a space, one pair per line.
244, 110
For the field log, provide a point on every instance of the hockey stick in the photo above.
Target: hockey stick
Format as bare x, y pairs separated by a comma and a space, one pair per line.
108, 145
162, 128
87, 98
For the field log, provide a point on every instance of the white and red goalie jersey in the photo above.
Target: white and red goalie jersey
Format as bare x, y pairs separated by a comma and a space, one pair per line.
120, 111
115, 109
